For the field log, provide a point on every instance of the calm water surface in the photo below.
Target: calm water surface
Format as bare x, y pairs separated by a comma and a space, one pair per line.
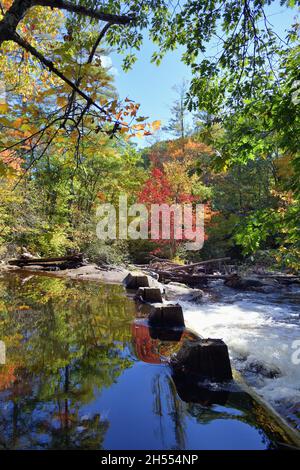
81, 373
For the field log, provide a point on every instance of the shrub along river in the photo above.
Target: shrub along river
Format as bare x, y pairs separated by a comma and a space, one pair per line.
82, 373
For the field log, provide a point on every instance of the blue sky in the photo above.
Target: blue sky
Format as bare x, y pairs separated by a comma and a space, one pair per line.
152, 86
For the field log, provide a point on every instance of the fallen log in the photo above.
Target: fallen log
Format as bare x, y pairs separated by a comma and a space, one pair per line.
59, 261
200, 263
192, 280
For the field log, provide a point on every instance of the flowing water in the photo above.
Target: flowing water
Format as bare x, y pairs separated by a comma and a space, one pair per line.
82, 373
262, 332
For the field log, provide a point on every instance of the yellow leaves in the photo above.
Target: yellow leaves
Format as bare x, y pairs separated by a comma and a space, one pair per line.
17, 123
18, 67
139, 135
23, 307
3, 108
113, 106
61, 101
60, 139
5, 122
156, 125
129, 136
138, 127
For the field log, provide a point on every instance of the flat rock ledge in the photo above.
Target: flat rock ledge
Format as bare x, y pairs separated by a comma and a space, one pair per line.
92, 272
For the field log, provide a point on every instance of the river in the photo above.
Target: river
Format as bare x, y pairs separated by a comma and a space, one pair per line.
260, 331
82, 372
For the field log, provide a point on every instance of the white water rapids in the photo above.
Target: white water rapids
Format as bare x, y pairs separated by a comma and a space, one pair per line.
260, 331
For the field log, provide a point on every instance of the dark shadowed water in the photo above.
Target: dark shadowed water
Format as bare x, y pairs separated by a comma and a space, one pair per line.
81, 374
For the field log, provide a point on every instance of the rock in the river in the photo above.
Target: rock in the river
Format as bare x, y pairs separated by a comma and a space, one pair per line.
196, 296
166, 316
149, 294
136, 280
204, 358
175, 290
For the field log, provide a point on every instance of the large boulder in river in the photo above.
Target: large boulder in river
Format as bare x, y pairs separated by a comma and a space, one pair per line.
176, 290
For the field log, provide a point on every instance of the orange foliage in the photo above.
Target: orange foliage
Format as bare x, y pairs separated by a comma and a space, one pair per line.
11, 160
180, 149
7, 376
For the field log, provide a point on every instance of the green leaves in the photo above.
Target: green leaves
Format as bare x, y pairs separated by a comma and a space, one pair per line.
256, 229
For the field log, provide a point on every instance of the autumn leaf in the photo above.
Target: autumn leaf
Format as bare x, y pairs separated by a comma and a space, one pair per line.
101, 196
156, 125
3, 108
139, 135
129, 136
61, 101
17, 123
138, 127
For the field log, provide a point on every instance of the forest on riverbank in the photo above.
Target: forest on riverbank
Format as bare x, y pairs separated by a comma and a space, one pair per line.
68, 142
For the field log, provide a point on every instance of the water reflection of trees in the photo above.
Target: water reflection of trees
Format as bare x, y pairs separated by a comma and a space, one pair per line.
166, 403
65, 343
